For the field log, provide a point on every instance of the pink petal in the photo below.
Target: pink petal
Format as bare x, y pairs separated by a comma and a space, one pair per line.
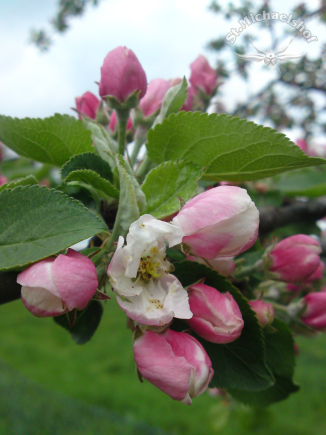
75, 278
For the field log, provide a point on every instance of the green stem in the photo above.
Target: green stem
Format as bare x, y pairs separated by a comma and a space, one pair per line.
140, 138
249, 270
143, 168
279, 307
114, 235
123, 116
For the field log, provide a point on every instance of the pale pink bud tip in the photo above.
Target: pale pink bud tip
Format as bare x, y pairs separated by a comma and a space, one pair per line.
203, 77
264, 312
87, 104
122, 75
216, 316
221, 222
315, 312
174, 362
295, 258
55, 286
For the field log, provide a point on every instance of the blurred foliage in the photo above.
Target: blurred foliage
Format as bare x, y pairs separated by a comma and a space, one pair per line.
289, 100
60, 22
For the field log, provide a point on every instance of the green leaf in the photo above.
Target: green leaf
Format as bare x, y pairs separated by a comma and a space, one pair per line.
21, 167
89, 251
90, 169
231, 148
36, 222
309, 182
27, 181
270, 198
50, 140
140, 196
88, 161
165, 183
103, 142
304, 227
87, 322
93, 179
280, 358
240, 364
128, 211
172, 101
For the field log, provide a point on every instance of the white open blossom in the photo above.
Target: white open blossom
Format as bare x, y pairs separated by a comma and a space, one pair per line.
139, 273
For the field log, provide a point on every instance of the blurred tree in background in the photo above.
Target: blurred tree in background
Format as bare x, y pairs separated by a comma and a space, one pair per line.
295, 97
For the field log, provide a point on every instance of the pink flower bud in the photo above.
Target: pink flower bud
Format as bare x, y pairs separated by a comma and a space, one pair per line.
216, 316
315, 312
189, 103
302, 144
3, 180
294, 259
122, 75
264, 312
174, 362
114, 121
221, 222
55, 286
87, 104
152, 101
203, 77
293, 288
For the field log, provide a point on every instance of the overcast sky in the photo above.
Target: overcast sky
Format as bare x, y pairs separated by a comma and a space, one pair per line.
166, 36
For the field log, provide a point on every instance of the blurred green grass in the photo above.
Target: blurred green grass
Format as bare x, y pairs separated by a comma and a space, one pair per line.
101, 374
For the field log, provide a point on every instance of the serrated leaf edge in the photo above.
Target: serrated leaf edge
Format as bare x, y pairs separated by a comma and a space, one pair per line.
59, 193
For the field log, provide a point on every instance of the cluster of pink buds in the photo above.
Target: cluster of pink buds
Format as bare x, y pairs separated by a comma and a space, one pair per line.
294, 259
123, 82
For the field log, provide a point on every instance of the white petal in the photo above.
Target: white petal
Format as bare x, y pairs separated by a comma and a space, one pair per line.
147, 230
177, 299
38, 299
160, 301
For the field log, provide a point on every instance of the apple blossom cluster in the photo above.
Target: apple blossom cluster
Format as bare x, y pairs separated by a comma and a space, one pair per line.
208, 226
175, 324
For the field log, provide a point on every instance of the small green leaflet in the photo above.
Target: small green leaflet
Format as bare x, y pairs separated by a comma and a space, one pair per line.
90, 169
172, 101
165, 183
86, 323
26, 181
